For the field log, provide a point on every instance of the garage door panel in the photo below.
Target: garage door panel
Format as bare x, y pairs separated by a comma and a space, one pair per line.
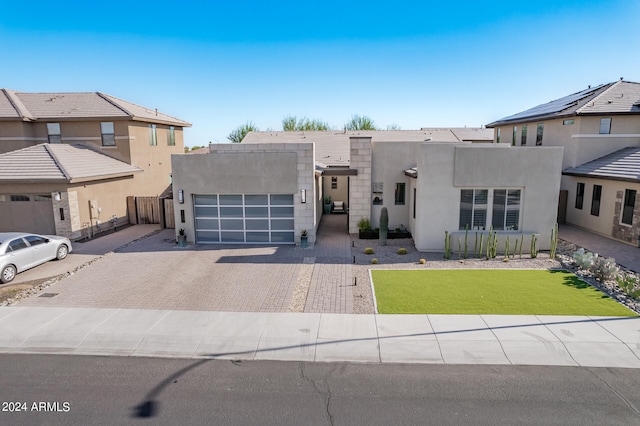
244, 218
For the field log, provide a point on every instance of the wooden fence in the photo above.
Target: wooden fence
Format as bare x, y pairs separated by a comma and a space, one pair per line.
151, 210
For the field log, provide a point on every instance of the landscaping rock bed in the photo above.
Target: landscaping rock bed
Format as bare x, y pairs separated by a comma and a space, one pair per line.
388, 258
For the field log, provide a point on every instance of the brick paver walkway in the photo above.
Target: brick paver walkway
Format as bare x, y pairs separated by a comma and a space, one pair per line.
626, 255
331, 290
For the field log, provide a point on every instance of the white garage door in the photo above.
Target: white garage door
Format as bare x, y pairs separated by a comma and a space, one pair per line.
244, 218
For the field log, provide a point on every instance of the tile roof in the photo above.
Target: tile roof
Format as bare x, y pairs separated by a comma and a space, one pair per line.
621, 165
620, 97
60, 163
332, 147
76, 105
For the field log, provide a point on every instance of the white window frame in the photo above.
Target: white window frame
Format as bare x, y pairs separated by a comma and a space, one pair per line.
488, 208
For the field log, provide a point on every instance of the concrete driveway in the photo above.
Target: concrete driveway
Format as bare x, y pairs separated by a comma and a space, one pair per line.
154, 273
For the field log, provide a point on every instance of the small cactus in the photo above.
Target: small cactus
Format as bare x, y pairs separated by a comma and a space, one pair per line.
402, 251
423, 261
369, 250
374, 261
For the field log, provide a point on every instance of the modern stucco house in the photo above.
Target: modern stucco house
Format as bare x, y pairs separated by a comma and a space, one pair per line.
599, 129
270, 187
68, 161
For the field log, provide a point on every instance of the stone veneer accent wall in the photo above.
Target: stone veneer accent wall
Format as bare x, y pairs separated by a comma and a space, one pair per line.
360, 185
630, 234
70, 227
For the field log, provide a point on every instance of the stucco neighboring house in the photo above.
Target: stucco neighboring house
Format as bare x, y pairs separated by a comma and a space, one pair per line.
68, 161
599, 129
270, 187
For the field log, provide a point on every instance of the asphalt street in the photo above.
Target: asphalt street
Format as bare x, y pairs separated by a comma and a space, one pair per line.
68, 389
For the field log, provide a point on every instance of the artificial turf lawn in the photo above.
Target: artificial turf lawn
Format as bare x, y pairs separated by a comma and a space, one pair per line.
501, 292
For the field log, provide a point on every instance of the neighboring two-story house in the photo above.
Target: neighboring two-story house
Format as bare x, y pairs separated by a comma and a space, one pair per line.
68, 161
599, 129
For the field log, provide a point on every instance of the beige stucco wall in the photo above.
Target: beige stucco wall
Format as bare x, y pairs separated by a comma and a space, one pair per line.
445, 169
339, 194
154, 160
603, 223
248, 169
581, 140
110, 196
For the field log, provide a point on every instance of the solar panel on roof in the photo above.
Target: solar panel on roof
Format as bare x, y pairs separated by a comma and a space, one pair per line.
555, 105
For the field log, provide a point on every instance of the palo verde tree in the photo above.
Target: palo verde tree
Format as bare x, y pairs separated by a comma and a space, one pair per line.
238, 134
291, 124
358, 122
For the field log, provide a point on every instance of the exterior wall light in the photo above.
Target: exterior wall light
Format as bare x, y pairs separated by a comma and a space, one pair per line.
303, 195
57, 196
180, 196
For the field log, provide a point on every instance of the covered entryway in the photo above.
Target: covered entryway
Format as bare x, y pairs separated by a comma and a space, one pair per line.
244, 218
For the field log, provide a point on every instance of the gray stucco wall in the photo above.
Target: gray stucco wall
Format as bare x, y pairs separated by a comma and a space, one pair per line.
247, 169
445, 169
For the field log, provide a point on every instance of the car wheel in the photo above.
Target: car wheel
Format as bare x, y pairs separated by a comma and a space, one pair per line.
62, 252
8, 274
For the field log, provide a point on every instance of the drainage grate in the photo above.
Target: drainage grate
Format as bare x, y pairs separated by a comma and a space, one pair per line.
48, 295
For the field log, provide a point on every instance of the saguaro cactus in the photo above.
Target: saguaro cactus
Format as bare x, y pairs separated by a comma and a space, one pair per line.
384, 226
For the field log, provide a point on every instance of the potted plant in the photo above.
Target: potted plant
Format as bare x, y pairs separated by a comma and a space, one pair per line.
304, 243
182, 238
327, 204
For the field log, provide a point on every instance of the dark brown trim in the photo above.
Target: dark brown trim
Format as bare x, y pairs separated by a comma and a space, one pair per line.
339, 172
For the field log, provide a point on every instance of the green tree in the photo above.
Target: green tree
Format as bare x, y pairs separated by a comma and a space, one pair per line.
360, 123
393, 126
238, 134
291, 124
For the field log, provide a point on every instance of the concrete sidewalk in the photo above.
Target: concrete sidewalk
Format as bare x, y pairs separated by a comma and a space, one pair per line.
438, 339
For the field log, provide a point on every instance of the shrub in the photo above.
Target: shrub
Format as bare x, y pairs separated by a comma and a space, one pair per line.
402, 251
605, 269
629, 284
364, 224
369, 250
584, 260
374, 261
423, 261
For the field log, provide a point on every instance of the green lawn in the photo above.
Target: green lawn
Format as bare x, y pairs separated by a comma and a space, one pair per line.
483, 291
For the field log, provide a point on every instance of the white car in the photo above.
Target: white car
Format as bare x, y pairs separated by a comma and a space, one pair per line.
20, 251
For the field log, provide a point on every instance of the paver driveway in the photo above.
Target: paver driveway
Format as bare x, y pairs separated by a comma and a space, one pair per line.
155, 274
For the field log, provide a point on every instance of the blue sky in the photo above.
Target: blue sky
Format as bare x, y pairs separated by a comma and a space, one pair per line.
410, 63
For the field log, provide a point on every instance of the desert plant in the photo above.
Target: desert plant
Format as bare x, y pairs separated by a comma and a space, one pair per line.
475, 246
327, 200
181, 231
605, 269
384, 226
554, 242
364, 224
304, 233
369, 250
402, 251
534, 246
447, 245
629, 284
481, 242
515, 249
459, 248
584, 260
423, 261
506, 248
466, 236
374, 261
521, 243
